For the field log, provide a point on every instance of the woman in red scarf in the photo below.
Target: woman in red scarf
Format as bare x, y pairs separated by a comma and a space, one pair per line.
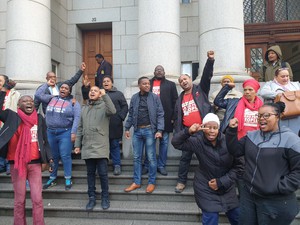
244, 109
25, 133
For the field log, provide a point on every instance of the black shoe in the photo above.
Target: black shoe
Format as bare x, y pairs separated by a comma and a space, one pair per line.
105, 203
144, 170
117, 170
91, 204
50, 183
162, 171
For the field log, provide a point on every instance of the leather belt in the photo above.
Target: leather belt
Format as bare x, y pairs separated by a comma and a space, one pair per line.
144, 126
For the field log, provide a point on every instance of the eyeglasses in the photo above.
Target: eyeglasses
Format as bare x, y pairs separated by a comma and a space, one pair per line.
266, 115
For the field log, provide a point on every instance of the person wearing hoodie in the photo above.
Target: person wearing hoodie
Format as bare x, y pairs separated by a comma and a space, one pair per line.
274, 61
116, 120
92, 141
53, 86
62, 118
272, 168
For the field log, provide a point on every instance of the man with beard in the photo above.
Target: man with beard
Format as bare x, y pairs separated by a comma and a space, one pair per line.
167, 92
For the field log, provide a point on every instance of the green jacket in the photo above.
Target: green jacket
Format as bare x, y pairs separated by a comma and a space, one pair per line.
267, 72
93, 130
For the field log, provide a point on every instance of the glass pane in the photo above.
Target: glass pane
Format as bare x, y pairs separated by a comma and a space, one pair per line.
293, 9
280, 10
254, 11
287, 10
256, 55
186, 68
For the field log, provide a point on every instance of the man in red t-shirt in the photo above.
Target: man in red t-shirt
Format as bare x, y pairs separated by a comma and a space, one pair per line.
192, 105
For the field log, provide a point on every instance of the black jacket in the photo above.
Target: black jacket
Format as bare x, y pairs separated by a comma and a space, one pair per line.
11, 123
215, 162
272, 160
116, 120
200, 94
168, 97
103, 69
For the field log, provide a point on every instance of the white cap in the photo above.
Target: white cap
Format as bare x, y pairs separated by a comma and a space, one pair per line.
211, 117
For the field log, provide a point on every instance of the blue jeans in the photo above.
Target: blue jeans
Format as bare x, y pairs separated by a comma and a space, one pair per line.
2, 165
144, 137
115, 151
163, 152
61, 147
279, 210
101, 166
212, 218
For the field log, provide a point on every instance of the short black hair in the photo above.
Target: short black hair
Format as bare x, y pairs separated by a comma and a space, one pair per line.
100, 56
108, 76
278, 107
5, 77
142, 78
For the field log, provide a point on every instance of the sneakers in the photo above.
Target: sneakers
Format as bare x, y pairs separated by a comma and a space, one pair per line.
179, 187
162, 171
91, 204
68, 184
50, 183
117, 170
105, 204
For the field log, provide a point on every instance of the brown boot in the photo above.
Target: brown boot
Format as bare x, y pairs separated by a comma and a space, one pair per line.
132, 187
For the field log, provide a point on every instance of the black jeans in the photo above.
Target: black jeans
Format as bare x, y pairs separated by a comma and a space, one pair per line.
276, 210
184, 166
101, 166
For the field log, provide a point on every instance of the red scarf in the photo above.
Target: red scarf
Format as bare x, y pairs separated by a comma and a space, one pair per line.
240, 109
23, 151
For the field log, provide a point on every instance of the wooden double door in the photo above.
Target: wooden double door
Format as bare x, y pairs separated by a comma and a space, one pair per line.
95, 42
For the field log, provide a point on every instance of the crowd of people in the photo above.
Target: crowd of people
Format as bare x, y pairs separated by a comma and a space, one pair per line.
239, 139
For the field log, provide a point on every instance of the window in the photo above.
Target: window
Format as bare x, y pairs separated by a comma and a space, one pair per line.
54, 67
186, 68
190, 68
254, 11
287, 10
185, 1
261, 11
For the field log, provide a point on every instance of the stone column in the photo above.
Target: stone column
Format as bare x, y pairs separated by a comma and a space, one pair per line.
159, 37
221, 28
28, 45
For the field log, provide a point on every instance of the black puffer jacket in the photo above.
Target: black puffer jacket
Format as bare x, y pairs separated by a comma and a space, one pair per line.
214, 162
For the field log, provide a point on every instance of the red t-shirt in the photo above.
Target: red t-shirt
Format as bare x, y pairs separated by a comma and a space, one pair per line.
250, 122
12, 145
156, 87
190, 111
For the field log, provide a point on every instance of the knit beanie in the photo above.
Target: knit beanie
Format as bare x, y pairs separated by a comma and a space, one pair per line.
228, 77
211, 117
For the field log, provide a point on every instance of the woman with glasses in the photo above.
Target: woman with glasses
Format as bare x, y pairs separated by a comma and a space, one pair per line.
214, 182
282, 83
244, 108
272, 169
